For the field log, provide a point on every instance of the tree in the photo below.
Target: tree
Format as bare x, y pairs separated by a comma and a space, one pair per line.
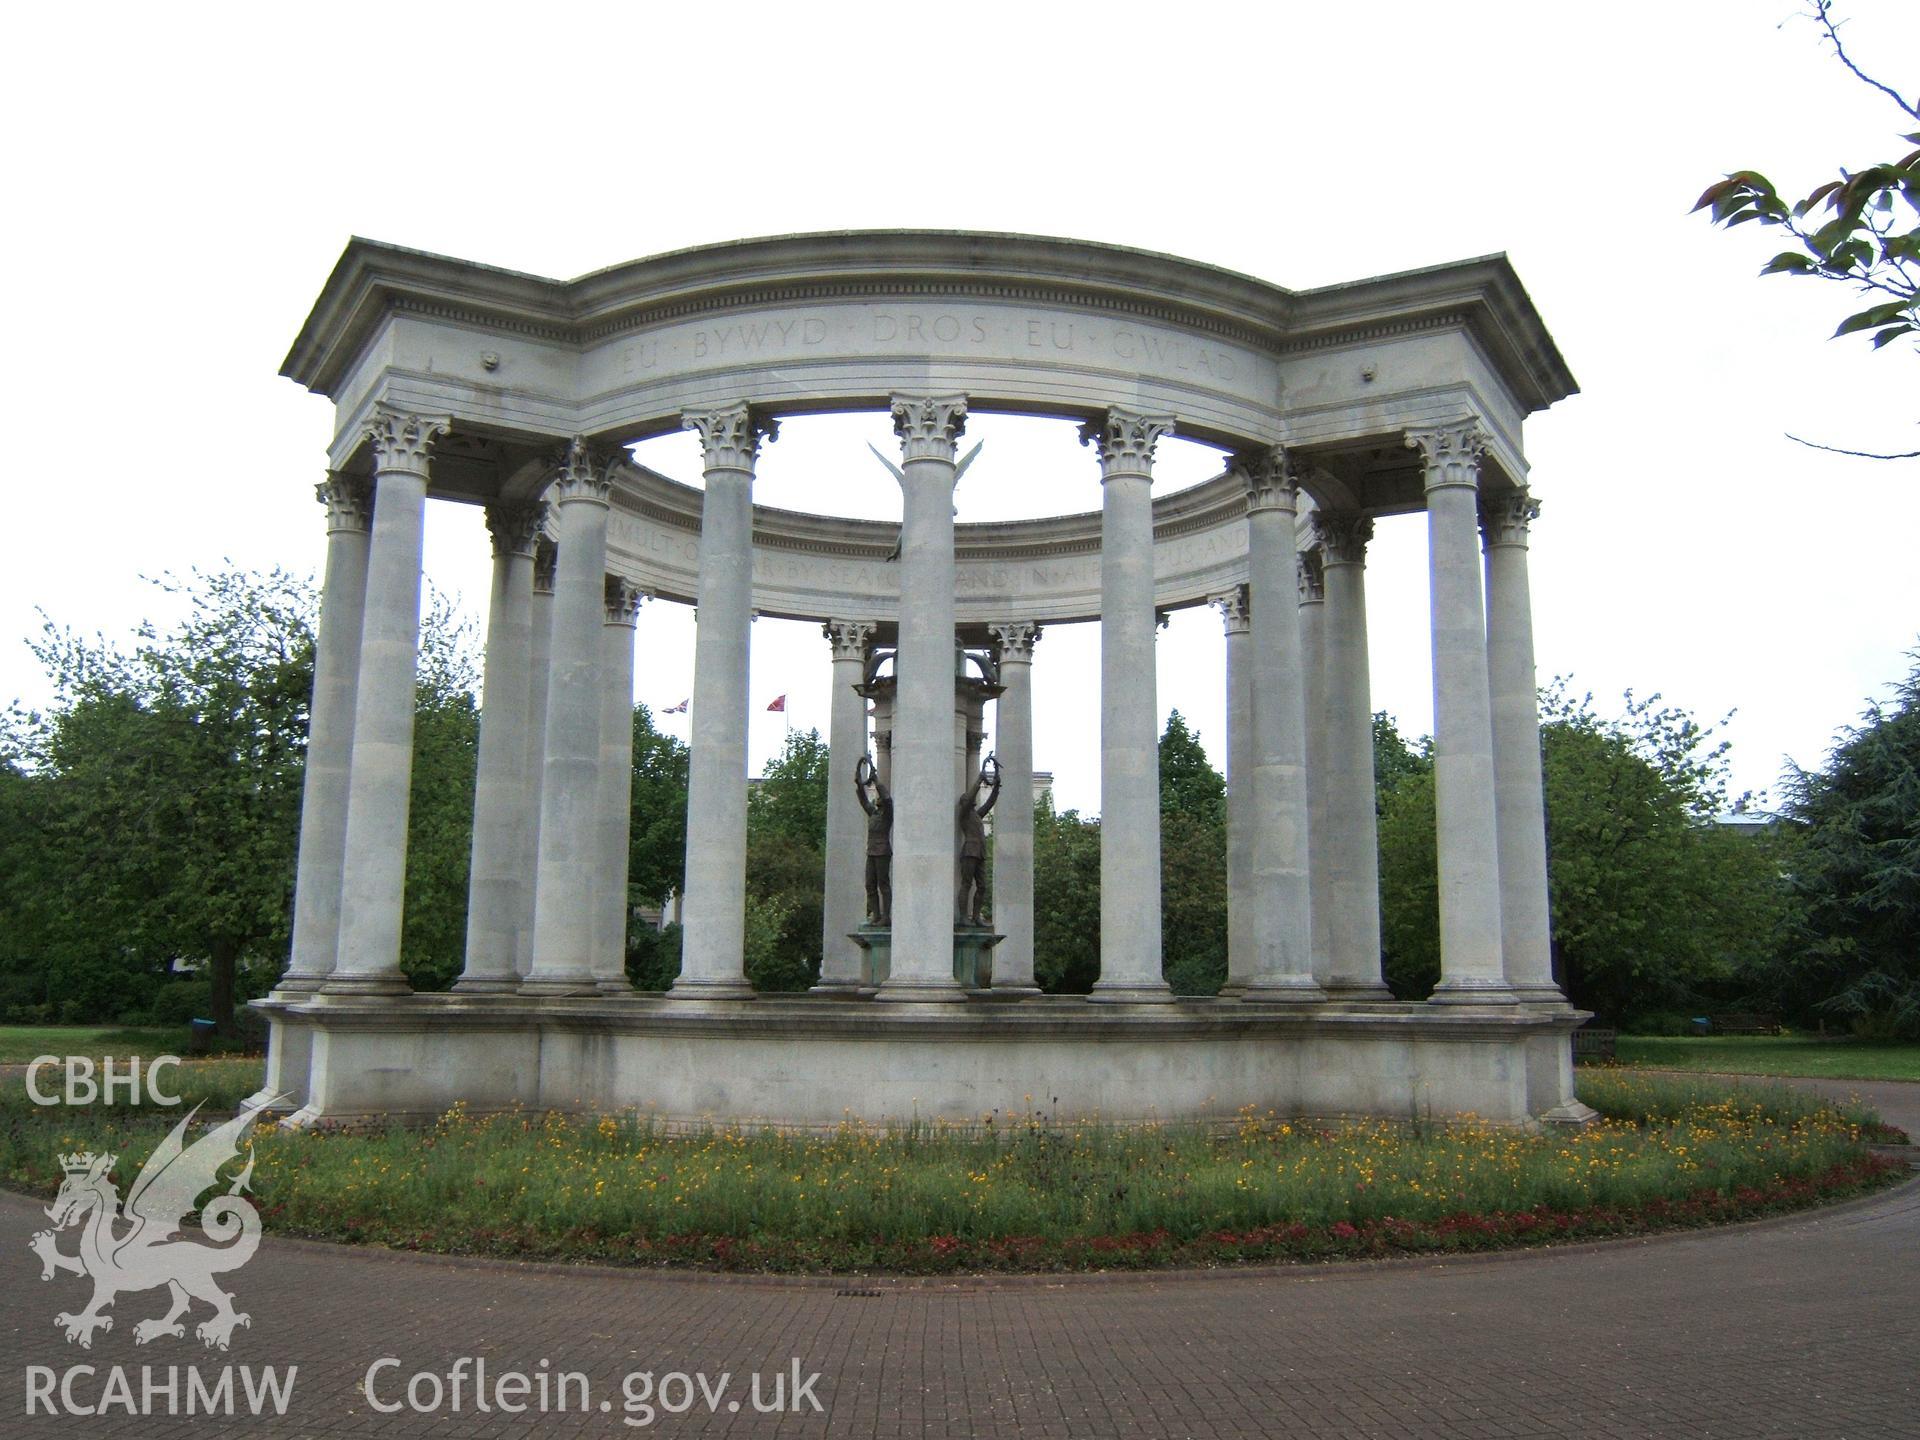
1857, 870
169, 781
1193, 863
1188, 782
1848, 229
1066, 896
786, 866
1652, 903
161, 791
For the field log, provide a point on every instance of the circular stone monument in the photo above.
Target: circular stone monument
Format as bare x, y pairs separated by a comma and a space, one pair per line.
463, 383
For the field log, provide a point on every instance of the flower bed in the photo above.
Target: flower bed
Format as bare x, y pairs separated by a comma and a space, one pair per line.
1027, 1194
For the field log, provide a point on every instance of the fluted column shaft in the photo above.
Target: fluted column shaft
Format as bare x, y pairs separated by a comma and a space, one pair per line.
497, 878
1240, 899
714, 938
1519, 805
843, 905
323, 796
1352, 850
1013, 818
1282, 914
564, 929
924, 803
1313, 664
615, 810
546, 560
1472, 970
373, 878
1130, 957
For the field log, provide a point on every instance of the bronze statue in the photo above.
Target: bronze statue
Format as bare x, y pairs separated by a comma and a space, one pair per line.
879, 808
970, 813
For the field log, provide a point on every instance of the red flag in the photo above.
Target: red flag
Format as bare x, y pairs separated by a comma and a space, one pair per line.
779, 703
679, 709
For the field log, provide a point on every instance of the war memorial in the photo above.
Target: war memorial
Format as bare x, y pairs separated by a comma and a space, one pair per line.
462, 383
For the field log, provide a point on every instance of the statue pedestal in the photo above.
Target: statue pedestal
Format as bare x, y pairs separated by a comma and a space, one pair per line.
973, 955
876, 954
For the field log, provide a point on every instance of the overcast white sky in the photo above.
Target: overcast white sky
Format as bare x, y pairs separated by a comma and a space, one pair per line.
182, 180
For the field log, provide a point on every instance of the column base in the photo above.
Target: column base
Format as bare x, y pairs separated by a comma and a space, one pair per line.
935, 990
1284, 990
296, 985
850, 986
1012, 988
1544, 997
686, 989
1131, 992
610, 986
557, 985
1571, 1114
1473, 992
1358, 990
487, 985
379, 982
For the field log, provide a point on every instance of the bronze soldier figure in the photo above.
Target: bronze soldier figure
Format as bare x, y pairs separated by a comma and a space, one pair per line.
970, 813
879, 808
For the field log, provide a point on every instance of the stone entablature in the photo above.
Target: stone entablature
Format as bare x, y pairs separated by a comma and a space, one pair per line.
1016, 323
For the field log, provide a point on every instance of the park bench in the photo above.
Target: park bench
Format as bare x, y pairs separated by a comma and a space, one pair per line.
1737, 1023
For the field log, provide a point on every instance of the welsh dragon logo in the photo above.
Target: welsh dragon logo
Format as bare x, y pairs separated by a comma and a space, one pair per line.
135, 1246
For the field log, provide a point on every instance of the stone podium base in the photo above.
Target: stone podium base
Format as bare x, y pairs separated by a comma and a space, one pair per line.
876, 954
812, 1061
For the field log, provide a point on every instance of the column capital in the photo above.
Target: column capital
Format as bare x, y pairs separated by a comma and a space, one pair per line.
1506, 517
623, 601
1125, 441
1014, 639
1235, 609
1270, 479
850, 638
515, 526
1342, 536
401, 441
349, 502
1450, 452
584, 472
928, 425
546, 562
1312, 580
730, 435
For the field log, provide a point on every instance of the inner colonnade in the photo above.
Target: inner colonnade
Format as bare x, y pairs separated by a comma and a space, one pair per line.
522, 395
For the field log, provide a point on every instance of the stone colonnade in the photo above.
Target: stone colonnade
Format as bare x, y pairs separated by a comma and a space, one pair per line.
547, 905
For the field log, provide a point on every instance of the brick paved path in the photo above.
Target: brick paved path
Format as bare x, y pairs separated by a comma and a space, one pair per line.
1799, 1327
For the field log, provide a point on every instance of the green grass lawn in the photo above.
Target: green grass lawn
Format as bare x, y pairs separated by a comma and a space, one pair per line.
1821, 1058
21, 1043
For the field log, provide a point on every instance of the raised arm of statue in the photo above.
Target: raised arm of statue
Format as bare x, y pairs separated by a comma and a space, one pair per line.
989, 777
864, 774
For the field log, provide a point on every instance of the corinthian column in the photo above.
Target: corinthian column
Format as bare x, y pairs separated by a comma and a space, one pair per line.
1013, 819
715, 908
373, 879
1471, 967
546, 561
1240, 899
843, 904
563, 913
323, 796
1129, 711
924, 805
1351, 853
496, 876
1313, 662
1282, 917
1520, 811
615, 807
